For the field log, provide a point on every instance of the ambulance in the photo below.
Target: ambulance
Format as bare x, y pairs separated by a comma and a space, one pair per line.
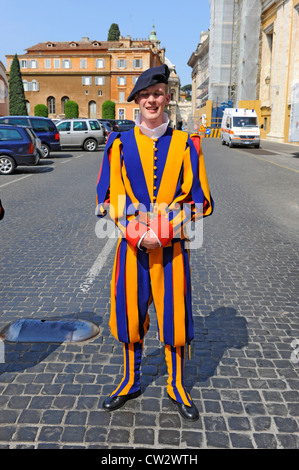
240, 126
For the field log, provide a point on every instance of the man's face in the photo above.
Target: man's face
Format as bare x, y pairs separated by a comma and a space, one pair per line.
152, 102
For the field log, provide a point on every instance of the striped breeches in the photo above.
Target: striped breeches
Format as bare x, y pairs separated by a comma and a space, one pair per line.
162, 277
175, 360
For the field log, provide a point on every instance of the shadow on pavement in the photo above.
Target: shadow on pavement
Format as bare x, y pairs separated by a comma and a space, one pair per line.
215, 333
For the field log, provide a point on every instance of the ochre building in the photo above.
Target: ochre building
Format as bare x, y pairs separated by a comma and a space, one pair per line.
88, 72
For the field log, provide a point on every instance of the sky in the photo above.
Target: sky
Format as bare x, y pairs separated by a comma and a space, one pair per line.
178, 24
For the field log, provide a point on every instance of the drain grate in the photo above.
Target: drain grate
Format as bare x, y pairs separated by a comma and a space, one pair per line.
49, 331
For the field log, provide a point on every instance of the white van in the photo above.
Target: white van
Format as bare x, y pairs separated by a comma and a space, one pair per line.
240, 127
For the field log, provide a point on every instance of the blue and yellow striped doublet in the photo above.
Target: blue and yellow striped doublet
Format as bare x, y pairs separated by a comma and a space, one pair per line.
137, 176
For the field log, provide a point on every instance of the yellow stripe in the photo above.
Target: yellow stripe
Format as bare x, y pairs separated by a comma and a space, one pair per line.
146, 151
178, 295
157, 280
130, 367
112, 321
125, 369
132, 295
172, 167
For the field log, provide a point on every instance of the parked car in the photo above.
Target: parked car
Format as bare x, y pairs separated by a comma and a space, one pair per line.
44, 128
84, 133
125, 124
112, 122
108, 127
17, 148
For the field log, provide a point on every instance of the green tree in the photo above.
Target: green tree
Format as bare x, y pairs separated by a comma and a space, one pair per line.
71, 109
17, 101
108, 110
41, 110
114, 32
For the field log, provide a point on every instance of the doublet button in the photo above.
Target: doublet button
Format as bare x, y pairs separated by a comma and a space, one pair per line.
156, 158
155, 168
155, 188
155, 177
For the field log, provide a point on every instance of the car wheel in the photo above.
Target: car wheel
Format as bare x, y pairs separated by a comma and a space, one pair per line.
230, 143
90, 145
46, 150
7, 165
257, 146
222, 141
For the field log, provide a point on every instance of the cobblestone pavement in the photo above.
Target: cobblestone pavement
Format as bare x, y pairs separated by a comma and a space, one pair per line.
243, 374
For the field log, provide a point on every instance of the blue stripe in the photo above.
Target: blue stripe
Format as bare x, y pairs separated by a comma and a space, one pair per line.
168, 329
188, 300
144, 288
120, 301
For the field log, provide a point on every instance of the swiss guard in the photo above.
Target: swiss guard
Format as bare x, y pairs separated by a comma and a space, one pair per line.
152, 182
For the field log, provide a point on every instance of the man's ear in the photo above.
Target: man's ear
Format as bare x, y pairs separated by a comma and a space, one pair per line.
167, 98
136, 99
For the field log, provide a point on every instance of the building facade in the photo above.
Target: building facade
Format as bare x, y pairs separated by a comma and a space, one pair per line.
279, 66
199, 61
253, 61
88, 72
4, 108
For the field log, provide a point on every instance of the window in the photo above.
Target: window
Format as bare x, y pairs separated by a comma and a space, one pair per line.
86, 81
66, 63
121, 96
10, 134
121, 113
100, 63
80, 126
34, 85
56, 63
94, 125
21, 121
47, 63
100, 93
43, 124
63, 101
51, 105
25, 85
121, 80
83, 63
137, 63
135, 80
64, 126
28, 107
33, 64
100, 80
23, 64
121, 63
135, 113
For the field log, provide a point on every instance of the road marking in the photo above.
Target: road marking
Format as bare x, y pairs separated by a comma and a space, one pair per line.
79, 156
14, 181
265, 160
97, 265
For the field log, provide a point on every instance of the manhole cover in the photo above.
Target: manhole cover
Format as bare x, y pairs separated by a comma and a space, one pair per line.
49, 331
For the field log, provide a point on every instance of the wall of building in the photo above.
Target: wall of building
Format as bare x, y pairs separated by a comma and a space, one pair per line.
4, 101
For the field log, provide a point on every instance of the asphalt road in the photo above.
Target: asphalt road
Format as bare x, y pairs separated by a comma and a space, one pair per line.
243, 374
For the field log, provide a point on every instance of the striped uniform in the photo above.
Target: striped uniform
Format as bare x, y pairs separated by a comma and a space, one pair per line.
146, 184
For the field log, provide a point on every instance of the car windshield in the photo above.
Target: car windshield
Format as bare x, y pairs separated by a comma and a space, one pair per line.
245, 121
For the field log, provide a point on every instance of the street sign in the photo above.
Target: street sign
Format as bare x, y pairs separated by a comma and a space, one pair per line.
202, 128
195, 127
208, 131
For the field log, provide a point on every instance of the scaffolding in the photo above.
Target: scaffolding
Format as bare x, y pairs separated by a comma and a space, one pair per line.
234, 50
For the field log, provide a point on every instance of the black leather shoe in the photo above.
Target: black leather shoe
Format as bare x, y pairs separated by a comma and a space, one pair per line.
187, 412
113, 403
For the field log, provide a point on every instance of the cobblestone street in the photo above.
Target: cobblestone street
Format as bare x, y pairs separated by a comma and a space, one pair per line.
243, 373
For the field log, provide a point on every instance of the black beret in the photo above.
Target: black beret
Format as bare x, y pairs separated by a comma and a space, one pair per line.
150, 77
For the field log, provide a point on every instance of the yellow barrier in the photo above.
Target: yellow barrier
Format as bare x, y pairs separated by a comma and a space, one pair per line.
214, 133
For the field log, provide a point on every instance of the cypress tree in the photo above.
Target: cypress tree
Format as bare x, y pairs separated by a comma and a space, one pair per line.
114, 32
17, 102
